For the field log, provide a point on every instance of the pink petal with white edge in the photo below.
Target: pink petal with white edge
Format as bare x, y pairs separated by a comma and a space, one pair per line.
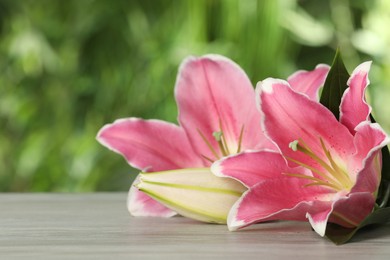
290, 116
253, 167
348, 211
141, 205
319, 220
366, 164
212, 91
150, 145
354, 108
277, 199
309, 82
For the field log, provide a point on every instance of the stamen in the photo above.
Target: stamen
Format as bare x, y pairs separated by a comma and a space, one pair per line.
240, 139
302, 176
208, 145
340, 173
322, 183
207, 158
316, 181
323, 175
334, 177
305, 149
226, 148
219, 137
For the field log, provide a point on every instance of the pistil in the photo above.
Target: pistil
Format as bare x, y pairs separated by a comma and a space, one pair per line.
222, 144
334, 176
209, 146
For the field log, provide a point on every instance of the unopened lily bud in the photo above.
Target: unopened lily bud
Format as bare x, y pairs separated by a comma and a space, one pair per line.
193, 193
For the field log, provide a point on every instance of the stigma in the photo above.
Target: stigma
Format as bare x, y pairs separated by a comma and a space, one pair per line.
333, 173
223, 148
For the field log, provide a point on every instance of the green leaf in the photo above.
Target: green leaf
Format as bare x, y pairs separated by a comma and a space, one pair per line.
384, 187
384, 194
340, 235
335, 85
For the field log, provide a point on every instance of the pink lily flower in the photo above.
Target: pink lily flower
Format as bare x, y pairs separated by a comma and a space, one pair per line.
326, 171
217, 117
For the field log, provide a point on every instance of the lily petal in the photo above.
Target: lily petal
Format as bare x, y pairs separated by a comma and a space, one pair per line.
252, 167
141, 205
193, 193
213, 94
309, 82
343, 212
151, 145
290, 116
319, 220
369, 137
276, 199
354, 108
366, 163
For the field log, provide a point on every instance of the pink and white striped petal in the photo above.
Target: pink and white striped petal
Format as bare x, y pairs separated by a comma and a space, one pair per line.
343, 212
213, 94
309, 82
291, 116
277, 199
319, 220
366, 164
150, 145
141, 205
346, 213
354, 108
252, 167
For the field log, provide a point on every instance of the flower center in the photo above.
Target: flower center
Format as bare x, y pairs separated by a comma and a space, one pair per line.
332, 175
220, 138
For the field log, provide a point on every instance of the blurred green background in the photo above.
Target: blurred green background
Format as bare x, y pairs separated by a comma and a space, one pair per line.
69, 67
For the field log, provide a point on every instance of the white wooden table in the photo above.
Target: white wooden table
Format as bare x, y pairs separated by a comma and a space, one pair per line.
97, 226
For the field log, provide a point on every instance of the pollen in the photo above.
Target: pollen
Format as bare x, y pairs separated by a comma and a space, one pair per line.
223, 149
294, 145
332, 174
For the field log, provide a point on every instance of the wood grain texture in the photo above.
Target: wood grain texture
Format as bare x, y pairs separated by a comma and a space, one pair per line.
97, 226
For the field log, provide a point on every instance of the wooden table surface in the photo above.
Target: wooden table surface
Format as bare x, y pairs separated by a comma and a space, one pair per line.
98, 226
